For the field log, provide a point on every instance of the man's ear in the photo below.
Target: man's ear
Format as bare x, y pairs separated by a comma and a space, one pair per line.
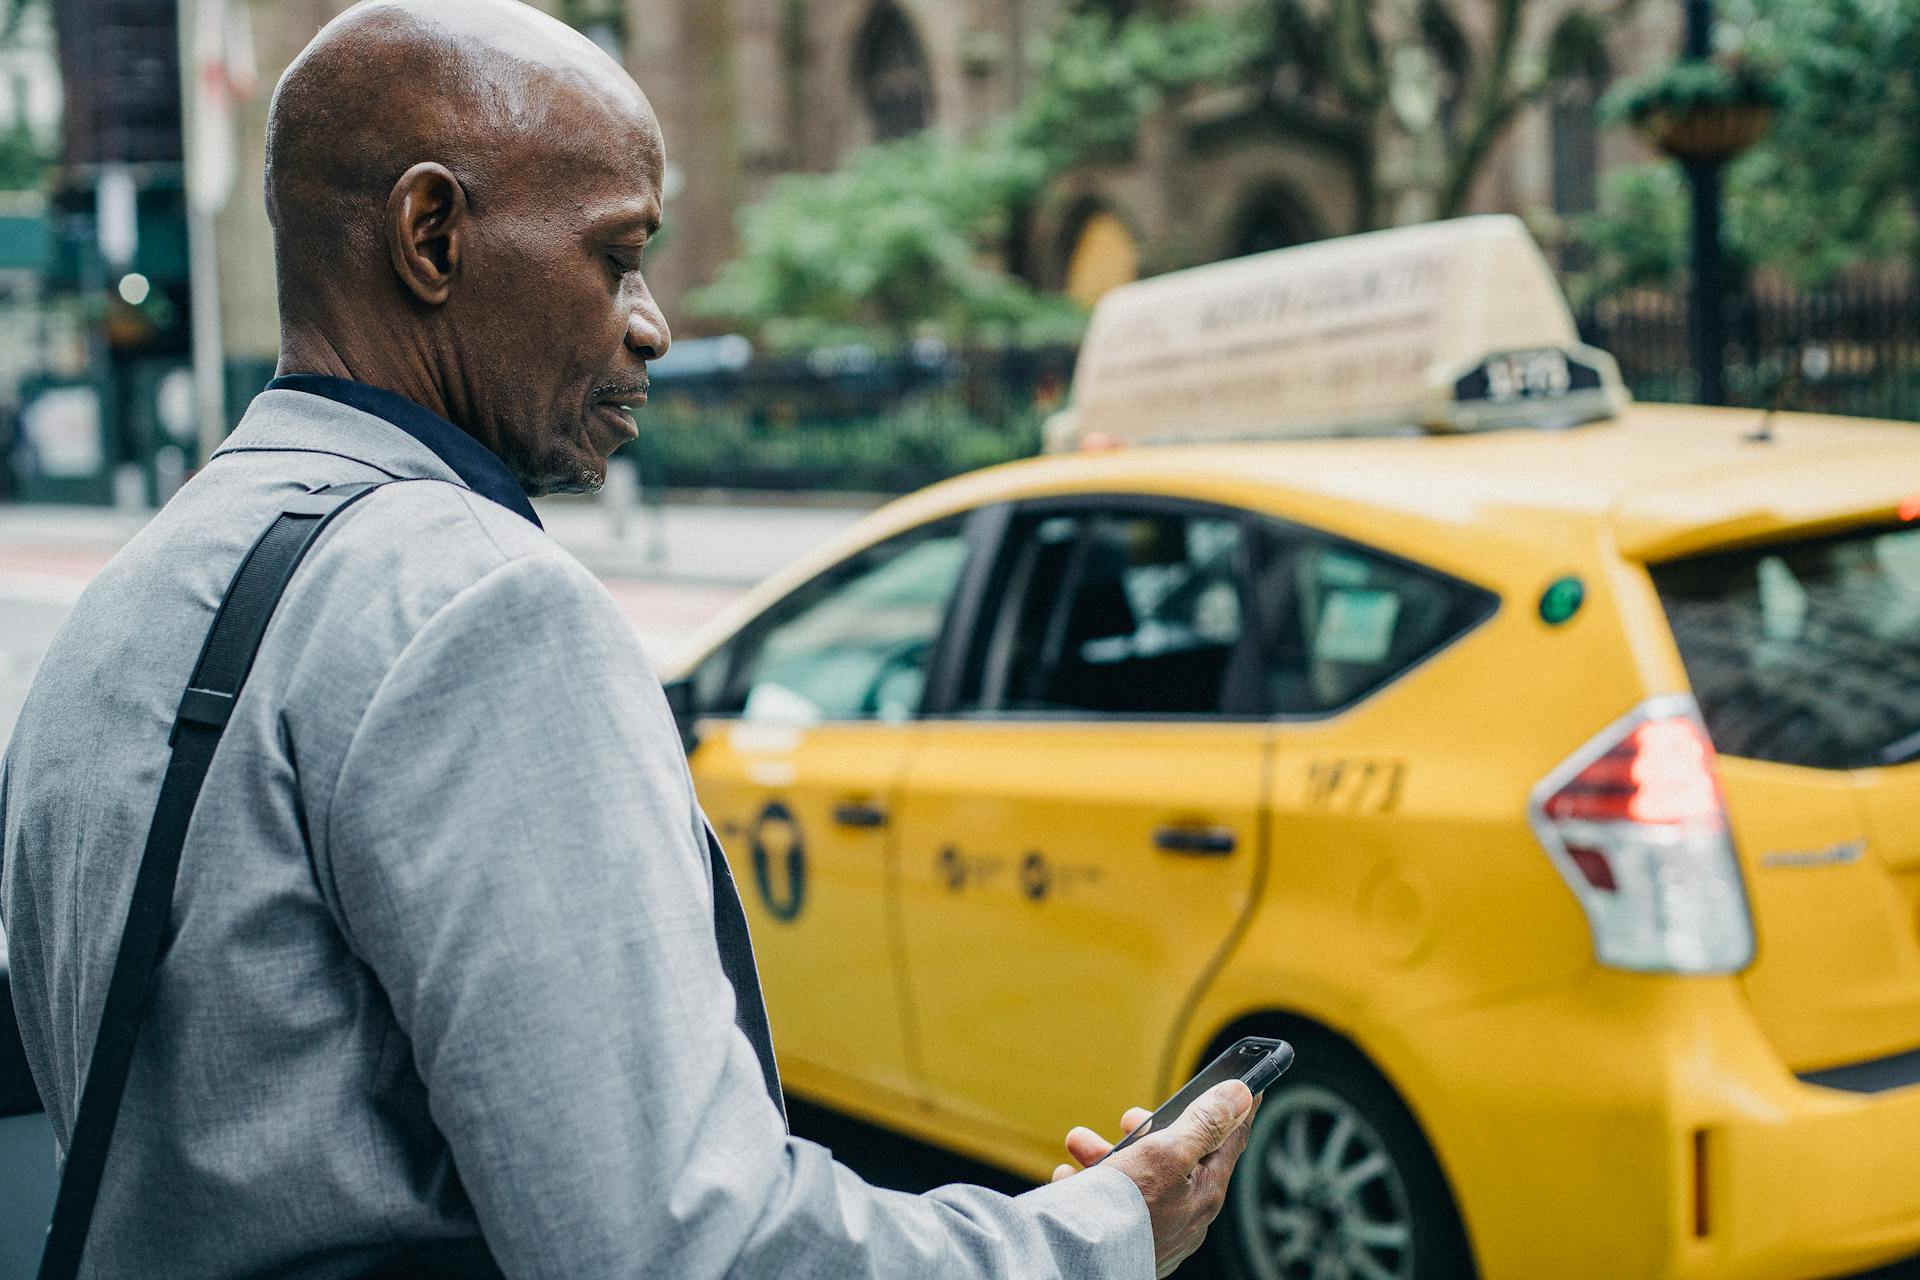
426, 230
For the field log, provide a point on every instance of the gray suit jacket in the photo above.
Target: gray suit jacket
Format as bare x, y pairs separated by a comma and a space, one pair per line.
442, 972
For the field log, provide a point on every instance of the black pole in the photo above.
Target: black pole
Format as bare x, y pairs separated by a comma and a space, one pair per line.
1699, 30
1707, 313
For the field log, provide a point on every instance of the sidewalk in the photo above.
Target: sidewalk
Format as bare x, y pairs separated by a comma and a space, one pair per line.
730, 544
669, 571
716, 544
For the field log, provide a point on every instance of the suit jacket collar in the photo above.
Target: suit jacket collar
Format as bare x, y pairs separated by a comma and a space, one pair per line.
281, 420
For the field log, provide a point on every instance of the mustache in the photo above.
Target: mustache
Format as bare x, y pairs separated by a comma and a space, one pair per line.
625, 389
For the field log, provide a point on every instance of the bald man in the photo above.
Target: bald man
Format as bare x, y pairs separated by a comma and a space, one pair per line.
455, 981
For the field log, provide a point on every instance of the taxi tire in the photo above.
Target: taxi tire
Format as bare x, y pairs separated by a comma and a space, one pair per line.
1329, 1065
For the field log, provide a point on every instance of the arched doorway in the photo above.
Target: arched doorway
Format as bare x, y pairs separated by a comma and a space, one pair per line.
1574, 121
1102, 255
1270, 218
890, 71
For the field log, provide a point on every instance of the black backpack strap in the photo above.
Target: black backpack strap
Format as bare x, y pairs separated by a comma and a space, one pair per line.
225, 660
736, 961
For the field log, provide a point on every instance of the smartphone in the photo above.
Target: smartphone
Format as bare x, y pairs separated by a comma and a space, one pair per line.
1256, 1061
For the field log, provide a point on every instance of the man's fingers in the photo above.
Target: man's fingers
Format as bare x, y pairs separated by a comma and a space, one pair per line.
1228, 1153
1086, 1146
1135, 1117
1209, 1122
1062, 1171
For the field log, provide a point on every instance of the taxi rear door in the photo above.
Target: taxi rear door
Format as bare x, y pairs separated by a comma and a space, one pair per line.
804, 724
1804, 658
1079, 829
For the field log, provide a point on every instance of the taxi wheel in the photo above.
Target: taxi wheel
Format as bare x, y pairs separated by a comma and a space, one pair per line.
1338, 1183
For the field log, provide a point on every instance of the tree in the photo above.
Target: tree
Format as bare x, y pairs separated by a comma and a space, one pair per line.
23, 161
1409, 98
1099, 79
911, 235
1837, 182
1639, 239
1834, 185
893, 245
908, 238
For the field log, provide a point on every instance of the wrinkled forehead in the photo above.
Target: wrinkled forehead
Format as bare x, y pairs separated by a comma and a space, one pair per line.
613, 133
588, 149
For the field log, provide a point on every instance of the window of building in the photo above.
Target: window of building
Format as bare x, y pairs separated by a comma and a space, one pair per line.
1270, 219
1576, 148
890, 70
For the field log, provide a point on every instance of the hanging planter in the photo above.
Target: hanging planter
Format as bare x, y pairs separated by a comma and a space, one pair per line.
1714, 134
1700, 111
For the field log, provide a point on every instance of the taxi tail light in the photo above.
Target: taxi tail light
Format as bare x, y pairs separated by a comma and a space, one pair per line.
1636, 823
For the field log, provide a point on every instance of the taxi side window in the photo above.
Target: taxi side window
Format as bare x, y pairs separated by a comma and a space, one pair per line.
853, 644
1342, 620
1118, 613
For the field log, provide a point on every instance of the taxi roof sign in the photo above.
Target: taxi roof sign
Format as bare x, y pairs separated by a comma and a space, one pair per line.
1447, 326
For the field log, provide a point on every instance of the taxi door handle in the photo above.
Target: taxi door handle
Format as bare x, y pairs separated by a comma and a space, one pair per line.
1203, 841
859, 814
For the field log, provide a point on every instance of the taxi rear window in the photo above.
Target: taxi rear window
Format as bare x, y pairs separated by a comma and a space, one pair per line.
1805, 653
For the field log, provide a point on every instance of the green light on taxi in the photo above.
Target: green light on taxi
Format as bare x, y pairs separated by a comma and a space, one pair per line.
1561, 601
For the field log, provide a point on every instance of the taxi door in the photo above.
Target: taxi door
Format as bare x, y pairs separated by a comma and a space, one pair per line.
804, 722
1080, 831
1804, 658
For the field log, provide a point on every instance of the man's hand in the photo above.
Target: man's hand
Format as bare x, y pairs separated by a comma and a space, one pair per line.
1181, 1170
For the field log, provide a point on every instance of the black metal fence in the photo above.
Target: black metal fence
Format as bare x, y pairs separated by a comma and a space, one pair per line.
848, 418
843, 417
1854, 350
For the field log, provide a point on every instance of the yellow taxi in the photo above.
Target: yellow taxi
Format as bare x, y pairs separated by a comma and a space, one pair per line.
1364, 669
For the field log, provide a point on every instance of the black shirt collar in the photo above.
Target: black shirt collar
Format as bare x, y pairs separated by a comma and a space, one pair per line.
472, 461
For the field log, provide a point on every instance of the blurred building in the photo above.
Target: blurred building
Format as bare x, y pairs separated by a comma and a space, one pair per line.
30, 338
748, 90
94, 297
751, 89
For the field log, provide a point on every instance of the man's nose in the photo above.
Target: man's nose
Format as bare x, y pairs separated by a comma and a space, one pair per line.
647, 334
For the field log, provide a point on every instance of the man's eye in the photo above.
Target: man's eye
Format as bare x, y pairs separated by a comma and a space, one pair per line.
626, 262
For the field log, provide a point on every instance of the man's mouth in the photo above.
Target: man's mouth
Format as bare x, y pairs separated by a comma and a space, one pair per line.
617, 403
618, 421
623, 391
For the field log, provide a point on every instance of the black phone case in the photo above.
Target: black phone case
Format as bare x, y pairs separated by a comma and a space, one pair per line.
1238, 1061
